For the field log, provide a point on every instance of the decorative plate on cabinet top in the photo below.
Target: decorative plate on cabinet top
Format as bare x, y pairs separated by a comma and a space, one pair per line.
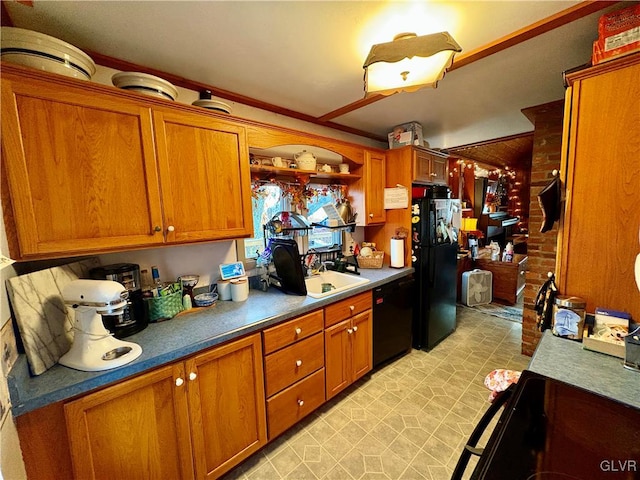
145, 83
212, 105
50, 54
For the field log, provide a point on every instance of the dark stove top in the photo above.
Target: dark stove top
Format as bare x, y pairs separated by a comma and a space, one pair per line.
551, 430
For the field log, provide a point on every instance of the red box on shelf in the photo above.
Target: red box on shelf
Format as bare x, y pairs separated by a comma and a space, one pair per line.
618, 34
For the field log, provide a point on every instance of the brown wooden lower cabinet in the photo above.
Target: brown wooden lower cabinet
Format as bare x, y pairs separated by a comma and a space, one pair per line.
197, 418
292, 404
200, 417
294, 370
136, 429
348, 352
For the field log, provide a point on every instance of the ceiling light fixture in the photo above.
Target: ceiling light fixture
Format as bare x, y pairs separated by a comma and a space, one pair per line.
408, 63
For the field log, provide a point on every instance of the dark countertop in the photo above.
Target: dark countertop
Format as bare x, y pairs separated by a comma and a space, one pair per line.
567, 361
184, 335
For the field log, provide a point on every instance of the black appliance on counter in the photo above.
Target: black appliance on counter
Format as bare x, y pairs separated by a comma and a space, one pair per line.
392, 318
134, 317
289, 273
552, 430
434, 259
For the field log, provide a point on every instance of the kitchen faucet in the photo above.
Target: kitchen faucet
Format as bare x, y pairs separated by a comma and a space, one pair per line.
325, 265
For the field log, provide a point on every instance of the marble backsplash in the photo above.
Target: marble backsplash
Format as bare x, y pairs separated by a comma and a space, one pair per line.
45, 324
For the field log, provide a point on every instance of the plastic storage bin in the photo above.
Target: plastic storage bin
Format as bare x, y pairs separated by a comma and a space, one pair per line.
477, 287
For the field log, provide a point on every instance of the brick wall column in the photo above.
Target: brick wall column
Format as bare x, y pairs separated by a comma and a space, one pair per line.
541, 247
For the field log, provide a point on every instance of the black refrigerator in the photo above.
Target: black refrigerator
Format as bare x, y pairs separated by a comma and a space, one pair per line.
434, 249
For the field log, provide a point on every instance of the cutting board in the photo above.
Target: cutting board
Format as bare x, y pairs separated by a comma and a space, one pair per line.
43, 320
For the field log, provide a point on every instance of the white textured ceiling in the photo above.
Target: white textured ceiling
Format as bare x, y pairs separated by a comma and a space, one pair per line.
307, 56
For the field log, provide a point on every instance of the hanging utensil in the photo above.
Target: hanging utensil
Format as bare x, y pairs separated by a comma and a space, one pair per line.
344, 210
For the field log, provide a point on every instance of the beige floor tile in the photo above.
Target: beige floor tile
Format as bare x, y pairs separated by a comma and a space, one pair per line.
337, 446
285, 461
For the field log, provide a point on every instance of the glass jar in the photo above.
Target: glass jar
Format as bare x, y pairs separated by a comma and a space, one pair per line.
568, 317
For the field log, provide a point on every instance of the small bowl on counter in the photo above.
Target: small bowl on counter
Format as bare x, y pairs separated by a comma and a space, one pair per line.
205, 299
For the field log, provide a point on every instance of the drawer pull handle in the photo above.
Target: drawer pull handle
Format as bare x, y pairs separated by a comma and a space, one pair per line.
179, 382
193, 376
349, 331
170, 228
298, 330
355, 328
157, 229
352, 307
298, 363
300, 402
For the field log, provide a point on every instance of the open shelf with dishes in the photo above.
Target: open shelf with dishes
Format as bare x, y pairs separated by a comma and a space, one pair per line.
313, 163
284, 171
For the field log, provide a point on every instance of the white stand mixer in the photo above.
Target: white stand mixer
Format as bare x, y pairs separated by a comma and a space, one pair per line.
94, 348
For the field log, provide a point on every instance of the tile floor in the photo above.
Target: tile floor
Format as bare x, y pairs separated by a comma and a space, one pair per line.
406, 420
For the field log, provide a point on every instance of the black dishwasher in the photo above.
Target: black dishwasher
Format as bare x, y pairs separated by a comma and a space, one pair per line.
392, 317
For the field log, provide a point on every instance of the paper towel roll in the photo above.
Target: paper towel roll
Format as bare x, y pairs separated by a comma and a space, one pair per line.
397, 252
239, 289
224, 289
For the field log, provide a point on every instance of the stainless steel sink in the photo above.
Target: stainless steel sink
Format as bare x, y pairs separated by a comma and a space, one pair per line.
339, 283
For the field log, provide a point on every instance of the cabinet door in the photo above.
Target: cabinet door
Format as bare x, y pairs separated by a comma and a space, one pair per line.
337, 358
599, 232
136, 429
439, 170
81, 169
205, 178
429, 168
227, 405
374, 187
421, 167
361, 344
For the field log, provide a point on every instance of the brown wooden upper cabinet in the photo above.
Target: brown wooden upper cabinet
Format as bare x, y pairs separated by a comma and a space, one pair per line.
204, 176
90, 169
601, 168
412, 164
429, 166
368, 192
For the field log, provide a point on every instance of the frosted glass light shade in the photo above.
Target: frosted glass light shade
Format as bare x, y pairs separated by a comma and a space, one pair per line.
408, 63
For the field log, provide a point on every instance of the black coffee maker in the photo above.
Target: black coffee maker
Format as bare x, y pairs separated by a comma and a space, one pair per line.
133, 319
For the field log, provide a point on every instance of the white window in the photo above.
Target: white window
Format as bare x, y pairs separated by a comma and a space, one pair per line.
264, 206
322, 238
270, 200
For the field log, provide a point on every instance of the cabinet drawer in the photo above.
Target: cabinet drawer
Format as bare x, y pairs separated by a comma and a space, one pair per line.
293, 363
347, 308
291, 331
296, 402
